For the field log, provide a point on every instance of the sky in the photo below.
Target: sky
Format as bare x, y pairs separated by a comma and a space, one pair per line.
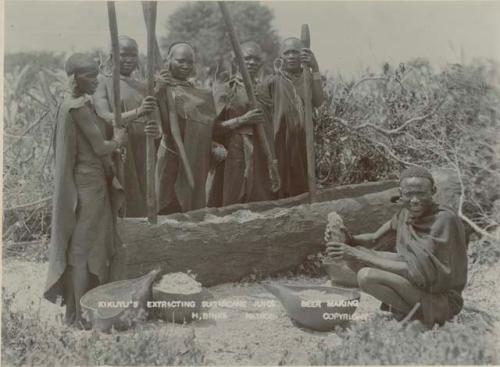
346, 37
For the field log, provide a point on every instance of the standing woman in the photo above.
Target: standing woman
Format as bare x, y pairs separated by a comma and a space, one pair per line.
196, 115
86, 194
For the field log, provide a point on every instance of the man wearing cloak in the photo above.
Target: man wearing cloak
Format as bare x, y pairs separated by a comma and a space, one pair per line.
244, 176
135, 107
429, 262
283, 96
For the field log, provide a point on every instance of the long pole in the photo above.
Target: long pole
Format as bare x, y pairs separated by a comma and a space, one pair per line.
166, 105
149, 9
308, 122
169, 114
272, 163
115, 51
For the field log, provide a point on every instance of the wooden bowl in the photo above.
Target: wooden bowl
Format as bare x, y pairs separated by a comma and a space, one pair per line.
326, 315
118, 304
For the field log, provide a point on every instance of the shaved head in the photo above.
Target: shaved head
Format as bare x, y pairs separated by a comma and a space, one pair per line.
126, 41
291, 43
79, 63
251, 47
181, 47
417, 188
129, 55
252, 56
417, 171
180, 60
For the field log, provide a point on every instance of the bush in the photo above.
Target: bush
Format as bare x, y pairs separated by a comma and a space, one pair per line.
379, 341
344, 157
410, 114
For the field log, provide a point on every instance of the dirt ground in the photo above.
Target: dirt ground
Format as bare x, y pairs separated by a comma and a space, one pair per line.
248, 334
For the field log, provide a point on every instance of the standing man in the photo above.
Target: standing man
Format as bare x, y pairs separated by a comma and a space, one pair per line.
244, 176
283, 96
136, 107
429, 265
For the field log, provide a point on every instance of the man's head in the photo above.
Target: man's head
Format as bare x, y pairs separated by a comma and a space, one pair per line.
252, 55
417, 188
290, 53
85, 70
129, 55
180, 60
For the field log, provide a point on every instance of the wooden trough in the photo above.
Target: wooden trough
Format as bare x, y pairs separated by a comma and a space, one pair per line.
226, 244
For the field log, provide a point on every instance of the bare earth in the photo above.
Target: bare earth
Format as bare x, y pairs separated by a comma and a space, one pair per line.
242, 337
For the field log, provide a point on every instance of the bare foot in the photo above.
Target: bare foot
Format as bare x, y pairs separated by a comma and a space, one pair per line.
81, 324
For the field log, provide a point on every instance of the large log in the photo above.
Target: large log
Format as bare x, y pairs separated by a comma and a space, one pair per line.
225, 245
333, 193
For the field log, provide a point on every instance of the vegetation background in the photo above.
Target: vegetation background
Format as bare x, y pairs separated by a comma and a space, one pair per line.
371, 126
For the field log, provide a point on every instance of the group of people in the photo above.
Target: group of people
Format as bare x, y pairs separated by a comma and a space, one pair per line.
217, 128
218, 132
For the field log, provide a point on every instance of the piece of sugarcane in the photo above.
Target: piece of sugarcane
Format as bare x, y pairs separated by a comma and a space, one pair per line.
272, 163
117, 123
166, 106
308, 122
149, 9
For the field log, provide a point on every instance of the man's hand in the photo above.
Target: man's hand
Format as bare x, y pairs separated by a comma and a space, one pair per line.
341, 251
152, 129
148, 106
252, 117
120, 136
164, 79
349, 238
219, 153
307, 58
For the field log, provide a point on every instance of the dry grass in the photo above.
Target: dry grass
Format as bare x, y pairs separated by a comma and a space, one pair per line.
34, 335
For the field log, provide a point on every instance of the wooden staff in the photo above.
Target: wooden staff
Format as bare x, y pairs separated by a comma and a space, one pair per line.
272, 163
308, 122
166, 105
115, 51
149, 10
168, 113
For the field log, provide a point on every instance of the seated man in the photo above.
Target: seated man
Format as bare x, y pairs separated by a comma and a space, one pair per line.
429, 265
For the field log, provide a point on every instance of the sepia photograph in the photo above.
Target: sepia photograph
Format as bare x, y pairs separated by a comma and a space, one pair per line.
236, 183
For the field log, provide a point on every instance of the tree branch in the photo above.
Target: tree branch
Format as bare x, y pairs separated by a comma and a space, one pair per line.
462, 216
26, 131
387, 132
393, 156
362, 81
43, 202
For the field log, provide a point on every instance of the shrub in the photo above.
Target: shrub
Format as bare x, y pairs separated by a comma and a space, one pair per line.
413, 115
379, 341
